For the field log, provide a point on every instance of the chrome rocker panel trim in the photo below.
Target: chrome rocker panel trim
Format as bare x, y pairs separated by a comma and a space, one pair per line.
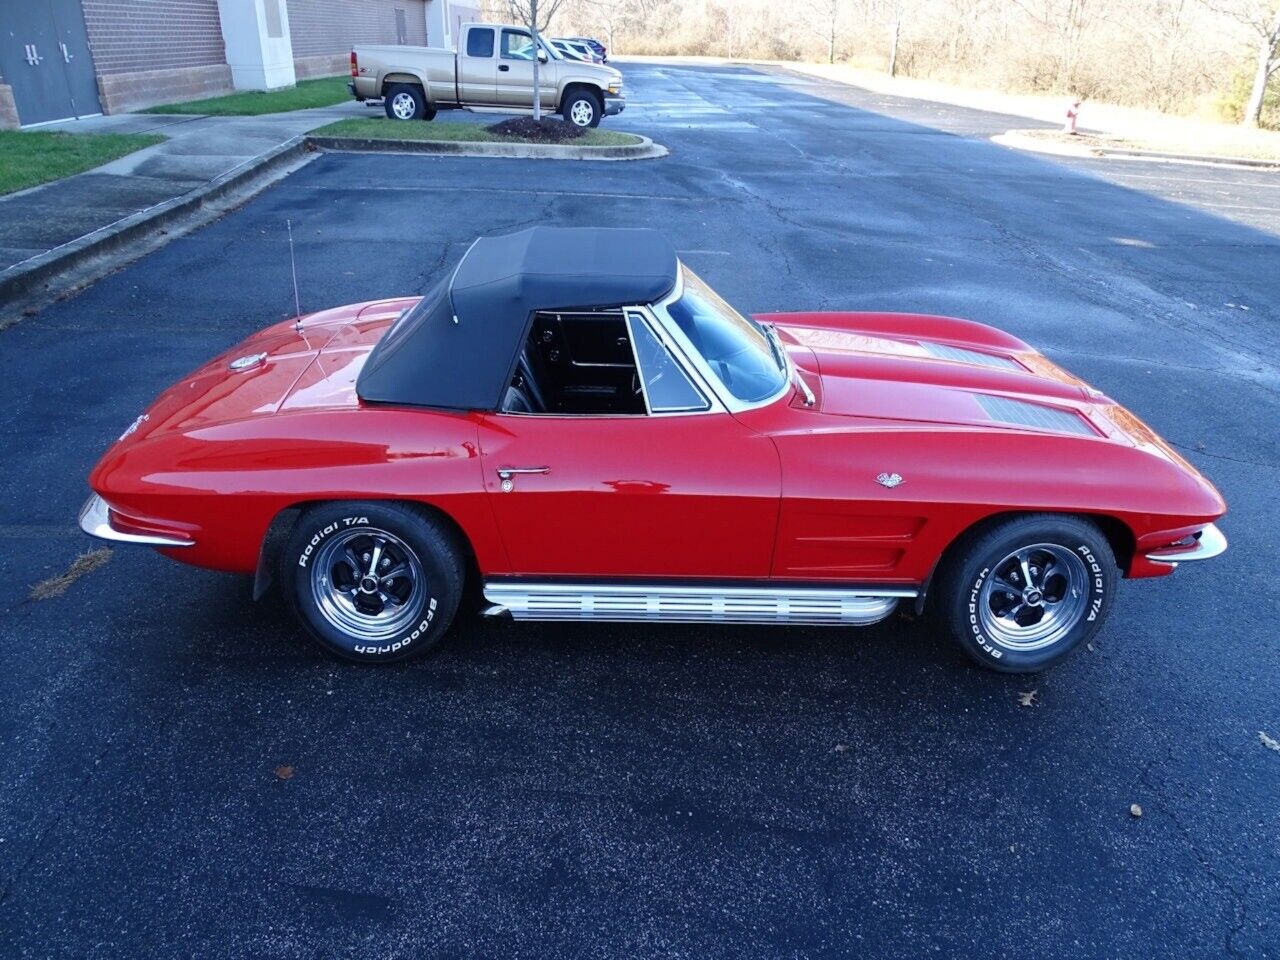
95, 520
672, 603
1213, 543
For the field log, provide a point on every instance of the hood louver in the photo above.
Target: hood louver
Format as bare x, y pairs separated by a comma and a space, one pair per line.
1034, 415
943, 352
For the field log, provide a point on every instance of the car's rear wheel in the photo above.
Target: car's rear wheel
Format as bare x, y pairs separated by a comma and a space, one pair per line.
582, 108
405, 101
372, 582
1023, 593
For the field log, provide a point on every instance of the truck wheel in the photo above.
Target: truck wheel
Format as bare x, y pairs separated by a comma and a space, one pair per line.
405, 101
1024, 593
582, 109
373, 582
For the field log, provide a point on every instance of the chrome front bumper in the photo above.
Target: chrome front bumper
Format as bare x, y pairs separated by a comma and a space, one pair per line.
95, 520
1212, 543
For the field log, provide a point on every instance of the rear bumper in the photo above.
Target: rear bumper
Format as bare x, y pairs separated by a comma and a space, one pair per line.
614, 105
95, 520
1212, 543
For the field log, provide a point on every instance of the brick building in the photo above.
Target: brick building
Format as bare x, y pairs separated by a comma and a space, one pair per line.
68, 58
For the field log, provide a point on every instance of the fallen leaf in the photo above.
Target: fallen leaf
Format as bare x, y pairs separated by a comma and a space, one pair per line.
1271, 743
841, 747
1027, 698
284, 772
1135, 810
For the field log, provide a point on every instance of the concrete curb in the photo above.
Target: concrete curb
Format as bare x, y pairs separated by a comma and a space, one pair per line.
646, 149
22, 280
1021, 142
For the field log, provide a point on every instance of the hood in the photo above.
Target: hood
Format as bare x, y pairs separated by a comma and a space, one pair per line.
290, 365
873, 375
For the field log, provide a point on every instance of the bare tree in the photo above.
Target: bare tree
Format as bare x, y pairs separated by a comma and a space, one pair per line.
536, 15
897, 11
825, 15
1262, 17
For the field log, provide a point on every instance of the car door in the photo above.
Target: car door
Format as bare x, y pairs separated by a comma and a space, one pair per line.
515, 72
688, 493
478, 67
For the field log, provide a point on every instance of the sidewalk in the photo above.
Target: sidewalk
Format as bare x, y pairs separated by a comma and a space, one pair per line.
200, 152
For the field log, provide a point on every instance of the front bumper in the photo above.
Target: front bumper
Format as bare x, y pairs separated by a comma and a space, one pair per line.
614, 105
95, 520
1212, 543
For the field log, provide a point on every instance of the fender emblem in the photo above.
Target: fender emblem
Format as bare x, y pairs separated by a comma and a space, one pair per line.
889, 480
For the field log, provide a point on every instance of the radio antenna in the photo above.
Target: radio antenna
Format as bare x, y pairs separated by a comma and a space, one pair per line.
293, 267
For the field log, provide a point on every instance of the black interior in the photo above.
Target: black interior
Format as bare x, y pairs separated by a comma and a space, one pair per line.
576, 363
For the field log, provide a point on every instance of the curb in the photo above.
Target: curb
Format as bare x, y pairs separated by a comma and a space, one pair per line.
646, 149
22, 279
1020, 142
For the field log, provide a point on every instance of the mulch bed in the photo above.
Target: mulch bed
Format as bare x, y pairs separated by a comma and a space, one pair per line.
546, 130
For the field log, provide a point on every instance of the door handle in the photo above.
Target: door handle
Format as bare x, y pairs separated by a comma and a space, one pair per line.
507, 475
503, 67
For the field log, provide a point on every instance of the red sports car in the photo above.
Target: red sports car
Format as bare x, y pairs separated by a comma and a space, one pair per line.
575, 425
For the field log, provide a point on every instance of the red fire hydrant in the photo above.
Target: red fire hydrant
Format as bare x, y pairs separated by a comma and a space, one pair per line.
1073, 111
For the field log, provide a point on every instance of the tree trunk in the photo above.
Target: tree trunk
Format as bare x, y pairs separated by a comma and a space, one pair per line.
893, 48
537, 61
831, 43
1257, 95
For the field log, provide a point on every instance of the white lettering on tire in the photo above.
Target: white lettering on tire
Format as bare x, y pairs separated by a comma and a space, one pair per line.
329, 528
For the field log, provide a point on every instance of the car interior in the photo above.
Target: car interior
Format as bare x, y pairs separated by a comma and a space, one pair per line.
576, 363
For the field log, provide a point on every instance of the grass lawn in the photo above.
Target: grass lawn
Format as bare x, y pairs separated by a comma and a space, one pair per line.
32, 157
381, 129
308, 93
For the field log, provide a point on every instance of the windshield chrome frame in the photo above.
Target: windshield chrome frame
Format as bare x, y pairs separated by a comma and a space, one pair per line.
699, 363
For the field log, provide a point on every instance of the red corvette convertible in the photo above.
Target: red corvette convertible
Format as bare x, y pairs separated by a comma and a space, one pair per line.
576, 426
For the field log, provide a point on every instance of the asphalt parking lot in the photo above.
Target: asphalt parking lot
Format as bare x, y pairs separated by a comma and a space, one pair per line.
547, 790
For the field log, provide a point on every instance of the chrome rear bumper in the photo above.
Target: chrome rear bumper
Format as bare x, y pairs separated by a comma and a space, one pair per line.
1212, 543
95, 520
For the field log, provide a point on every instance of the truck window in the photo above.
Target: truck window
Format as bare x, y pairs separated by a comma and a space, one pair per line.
516, 45
480, 42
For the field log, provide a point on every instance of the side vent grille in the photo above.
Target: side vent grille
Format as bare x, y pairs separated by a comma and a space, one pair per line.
943, 352
1038, 416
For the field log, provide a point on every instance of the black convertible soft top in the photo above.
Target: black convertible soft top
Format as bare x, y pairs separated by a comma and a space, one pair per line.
458, 347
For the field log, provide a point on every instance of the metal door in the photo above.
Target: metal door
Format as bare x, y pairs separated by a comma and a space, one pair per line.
44, 56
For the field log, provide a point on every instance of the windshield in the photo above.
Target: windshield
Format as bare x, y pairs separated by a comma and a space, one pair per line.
736, 348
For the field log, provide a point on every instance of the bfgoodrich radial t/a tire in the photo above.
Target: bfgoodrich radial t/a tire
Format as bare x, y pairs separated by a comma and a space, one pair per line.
1025, 592
372, 582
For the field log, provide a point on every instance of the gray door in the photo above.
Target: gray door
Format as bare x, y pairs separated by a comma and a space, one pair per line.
44, 56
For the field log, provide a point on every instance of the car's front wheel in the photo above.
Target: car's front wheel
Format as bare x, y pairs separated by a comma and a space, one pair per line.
1025, 592
372, 582
582, 108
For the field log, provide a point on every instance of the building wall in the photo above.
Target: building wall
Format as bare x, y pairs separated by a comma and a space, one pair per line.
153, 51
324, 31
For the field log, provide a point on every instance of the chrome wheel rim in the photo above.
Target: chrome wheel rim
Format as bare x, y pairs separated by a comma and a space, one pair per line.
1034, 597
403, 106
582, 113
368, 583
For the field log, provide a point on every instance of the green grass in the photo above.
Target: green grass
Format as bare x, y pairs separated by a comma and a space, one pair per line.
32, 157
375, 129
324, 92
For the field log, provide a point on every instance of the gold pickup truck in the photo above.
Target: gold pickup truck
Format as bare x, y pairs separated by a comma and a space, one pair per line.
492, 70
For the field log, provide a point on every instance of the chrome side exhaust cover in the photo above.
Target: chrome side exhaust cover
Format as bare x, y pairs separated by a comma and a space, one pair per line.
671, 603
